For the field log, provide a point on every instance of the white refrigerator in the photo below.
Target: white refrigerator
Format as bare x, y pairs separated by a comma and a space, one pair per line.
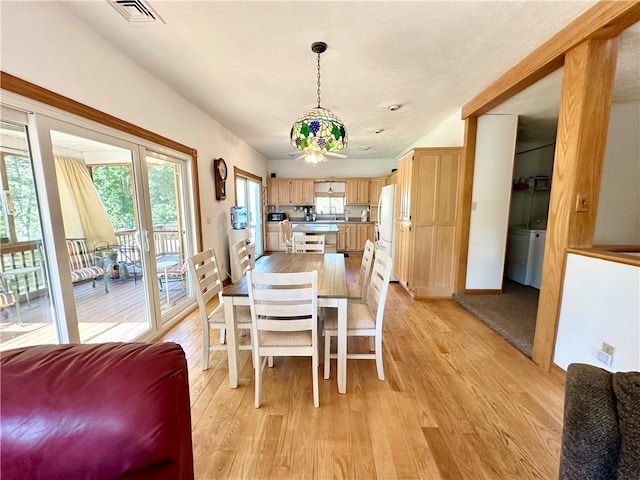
386, 225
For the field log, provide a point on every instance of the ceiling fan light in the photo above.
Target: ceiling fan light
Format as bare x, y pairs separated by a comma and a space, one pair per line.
314, 157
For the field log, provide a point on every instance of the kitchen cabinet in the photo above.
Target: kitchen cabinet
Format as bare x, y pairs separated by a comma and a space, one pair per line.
403, 247
341, 238
393, 178
357, 235
428, 181
357, 191
403, 190
273, 239
375, 187
290, 191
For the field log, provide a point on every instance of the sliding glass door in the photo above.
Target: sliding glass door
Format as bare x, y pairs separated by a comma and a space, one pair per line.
118, 230
249, 194
26, 308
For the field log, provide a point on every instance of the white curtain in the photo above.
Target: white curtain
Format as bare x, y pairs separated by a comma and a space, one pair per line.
83, 213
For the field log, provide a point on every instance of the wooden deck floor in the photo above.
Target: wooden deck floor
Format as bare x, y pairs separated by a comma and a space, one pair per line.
103, 317
458, 402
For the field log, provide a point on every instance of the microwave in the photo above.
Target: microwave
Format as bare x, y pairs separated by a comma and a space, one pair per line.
276, 216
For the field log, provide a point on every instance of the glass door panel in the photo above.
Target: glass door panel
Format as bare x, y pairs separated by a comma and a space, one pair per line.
248, 194
95, 180
26, 308
171, 245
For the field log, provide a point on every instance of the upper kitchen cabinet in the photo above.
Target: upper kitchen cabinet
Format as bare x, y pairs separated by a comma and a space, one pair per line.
357, 192
375, 187
290, 191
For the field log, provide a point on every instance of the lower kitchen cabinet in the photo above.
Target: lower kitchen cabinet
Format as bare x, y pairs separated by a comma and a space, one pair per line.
357, 235
342, 238
274, 241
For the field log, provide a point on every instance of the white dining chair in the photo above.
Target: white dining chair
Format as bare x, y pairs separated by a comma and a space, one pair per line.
308, 243
240, 256
284, 318
286, 234
207, 283
358, 290
363, 319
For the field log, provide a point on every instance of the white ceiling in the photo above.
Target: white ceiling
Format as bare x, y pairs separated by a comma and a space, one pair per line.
249, 65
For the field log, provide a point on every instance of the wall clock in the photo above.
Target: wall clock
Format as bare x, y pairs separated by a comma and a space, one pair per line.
220, 178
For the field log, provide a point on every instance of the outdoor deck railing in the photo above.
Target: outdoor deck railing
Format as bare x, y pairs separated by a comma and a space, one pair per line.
28, 254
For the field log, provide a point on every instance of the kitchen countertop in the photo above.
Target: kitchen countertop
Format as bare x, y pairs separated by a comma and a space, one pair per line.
311, 227
324, 222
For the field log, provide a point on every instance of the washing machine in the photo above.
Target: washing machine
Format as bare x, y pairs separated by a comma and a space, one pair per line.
525, 254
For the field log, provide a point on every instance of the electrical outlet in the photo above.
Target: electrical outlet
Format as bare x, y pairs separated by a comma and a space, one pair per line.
608, 349
604, 357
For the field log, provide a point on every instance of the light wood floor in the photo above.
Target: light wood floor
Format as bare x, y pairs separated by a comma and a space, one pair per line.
458, 402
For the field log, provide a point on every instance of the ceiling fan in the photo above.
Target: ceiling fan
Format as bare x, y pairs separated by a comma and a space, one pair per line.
317, 157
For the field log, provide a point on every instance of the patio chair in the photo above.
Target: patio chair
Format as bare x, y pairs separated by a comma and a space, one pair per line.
175, 272
8, 299
85, 265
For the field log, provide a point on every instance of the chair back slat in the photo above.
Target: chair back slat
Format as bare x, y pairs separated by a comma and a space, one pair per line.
308, 243
205, 276
378, 286
240, 257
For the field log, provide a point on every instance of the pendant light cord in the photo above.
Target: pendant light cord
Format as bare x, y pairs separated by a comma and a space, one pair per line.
318, 80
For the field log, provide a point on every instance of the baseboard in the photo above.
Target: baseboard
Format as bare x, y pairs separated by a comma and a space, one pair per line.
558, 373
479, 291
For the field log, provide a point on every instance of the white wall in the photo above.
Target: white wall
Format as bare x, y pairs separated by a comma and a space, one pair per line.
495, 150
450, 133
618, 219
600, 303
42, 44
333, 167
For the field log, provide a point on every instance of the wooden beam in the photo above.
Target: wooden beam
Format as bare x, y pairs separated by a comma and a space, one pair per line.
587, 90
606, 19
464, 207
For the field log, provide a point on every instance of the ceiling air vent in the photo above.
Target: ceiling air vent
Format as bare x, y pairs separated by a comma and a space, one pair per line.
135, 11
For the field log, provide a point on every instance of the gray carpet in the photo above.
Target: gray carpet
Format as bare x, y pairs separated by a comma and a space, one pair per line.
511, 315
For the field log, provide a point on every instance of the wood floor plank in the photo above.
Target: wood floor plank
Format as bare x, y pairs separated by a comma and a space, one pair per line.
458, 402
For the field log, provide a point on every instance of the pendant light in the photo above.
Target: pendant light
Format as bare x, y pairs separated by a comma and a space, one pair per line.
330, 191
318, 131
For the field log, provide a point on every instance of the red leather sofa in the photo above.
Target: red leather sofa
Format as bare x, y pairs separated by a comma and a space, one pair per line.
104, 411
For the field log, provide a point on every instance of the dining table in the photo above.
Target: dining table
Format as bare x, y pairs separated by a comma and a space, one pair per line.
332, 292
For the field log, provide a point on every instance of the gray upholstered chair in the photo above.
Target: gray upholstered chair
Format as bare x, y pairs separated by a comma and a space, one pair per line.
601, 432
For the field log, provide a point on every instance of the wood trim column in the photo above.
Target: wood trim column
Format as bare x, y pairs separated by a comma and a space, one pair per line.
585, 104
465, 189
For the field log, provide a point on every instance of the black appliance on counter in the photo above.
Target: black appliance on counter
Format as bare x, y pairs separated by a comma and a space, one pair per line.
276, 216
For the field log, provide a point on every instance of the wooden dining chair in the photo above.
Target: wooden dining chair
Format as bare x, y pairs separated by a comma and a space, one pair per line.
286, 234
240, 256
358, 290
363, 319
308, 243
284, 314
207, 283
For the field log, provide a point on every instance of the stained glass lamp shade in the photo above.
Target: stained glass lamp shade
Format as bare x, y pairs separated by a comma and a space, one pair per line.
318, 130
